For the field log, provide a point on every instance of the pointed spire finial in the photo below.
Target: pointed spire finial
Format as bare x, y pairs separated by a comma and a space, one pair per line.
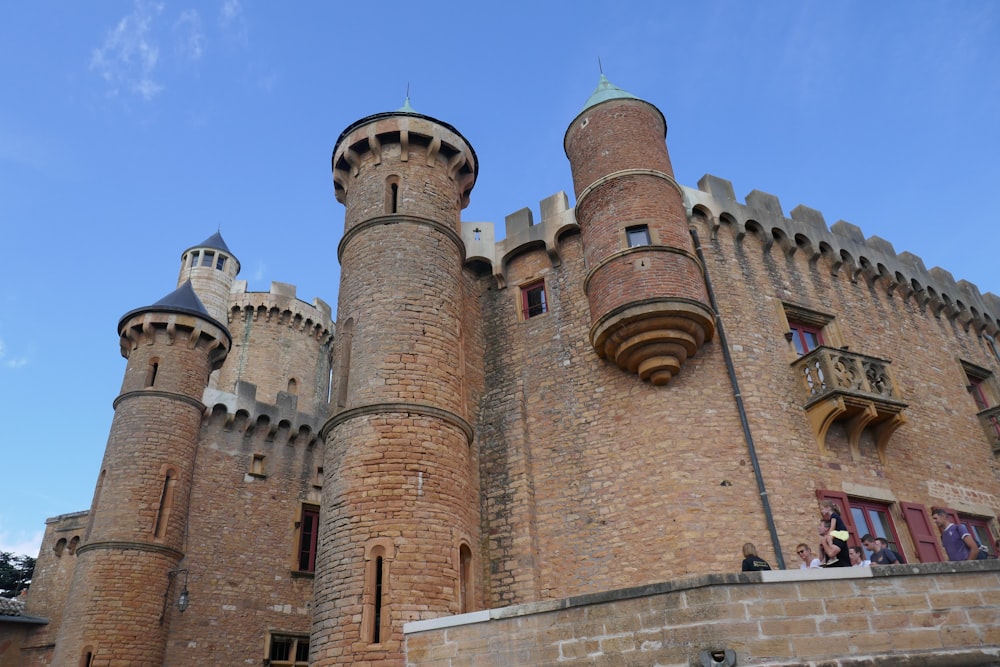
599, 65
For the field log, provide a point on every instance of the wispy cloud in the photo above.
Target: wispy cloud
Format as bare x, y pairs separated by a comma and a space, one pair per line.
128, 57
190, 36
13, 362
233, 20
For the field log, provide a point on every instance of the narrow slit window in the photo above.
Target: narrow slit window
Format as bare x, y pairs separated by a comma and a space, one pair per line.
377, 625
308, 535
166, 501
151, 371
533, 299
637, 236
465, 578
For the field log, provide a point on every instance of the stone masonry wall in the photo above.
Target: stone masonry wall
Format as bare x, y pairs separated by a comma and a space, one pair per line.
929, 615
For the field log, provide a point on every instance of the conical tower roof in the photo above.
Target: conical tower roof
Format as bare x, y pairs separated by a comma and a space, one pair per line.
215, 242
606, 91
181, 300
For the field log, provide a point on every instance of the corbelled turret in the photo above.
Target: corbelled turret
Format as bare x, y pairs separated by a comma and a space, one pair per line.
648, 301
134, 545
400, 513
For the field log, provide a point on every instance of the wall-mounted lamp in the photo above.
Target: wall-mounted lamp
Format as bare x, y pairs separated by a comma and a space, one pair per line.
183, 599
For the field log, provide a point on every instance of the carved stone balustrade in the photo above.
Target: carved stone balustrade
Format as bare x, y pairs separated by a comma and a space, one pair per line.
839, 385
990, 419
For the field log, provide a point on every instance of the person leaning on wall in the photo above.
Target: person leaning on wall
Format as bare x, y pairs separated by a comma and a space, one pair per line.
751, 561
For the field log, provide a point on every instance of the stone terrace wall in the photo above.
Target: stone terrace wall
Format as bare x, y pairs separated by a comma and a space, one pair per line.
905, 615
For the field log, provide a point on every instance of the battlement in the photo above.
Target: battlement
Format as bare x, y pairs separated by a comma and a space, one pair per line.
521, 234
279, 422
873, 259
316, 318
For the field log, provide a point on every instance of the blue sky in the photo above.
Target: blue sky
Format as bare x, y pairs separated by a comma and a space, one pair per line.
132, 130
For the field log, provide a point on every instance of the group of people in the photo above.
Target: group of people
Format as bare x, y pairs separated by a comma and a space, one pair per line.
834, 551
833, 548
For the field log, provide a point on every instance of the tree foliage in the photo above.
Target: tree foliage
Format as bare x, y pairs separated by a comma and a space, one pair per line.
15, 573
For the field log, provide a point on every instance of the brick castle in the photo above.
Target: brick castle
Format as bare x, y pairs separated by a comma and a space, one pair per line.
544, 449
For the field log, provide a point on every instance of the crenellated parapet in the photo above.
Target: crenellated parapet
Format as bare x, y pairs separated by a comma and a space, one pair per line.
281, 305
280, 422
871, 259
521, 234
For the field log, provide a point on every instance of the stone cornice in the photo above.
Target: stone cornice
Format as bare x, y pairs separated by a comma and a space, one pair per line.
410, 408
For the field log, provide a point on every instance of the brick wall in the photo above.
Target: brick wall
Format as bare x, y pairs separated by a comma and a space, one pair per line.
926, 615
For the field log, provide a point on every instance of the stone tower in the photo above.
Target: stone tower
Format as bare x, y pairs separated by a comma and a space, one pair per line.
400, 513
648, 301
211, 267
130, 567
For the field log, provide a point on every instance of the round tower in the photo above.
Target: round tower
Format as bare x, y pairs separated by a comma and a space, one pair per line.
211, 267
648, 301
400, 517
129, 573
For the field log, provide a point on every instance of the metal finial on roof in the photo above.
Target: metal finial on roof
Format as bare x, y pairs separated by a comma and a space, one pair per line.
600, 67
406, 108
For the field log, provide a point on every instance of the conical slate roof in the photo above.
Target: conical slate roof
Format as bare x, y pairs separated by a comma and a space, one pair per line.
181, 300
214, 242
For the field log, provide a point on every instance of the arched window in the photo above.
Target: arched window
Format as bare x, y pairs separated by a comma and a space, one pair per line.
293, 386
151, 371
73, 544
392, 194
375, 615
60, 546
465, 603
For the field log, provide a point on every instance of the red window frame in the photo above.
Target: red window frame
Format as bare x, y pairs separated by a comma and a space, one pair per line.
863, 510
982, 403
805, 337
980, 528
308, 538
534, 301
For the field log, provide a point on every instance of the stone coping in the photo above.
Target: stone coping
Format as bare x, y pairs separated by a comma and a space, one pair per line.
700, 581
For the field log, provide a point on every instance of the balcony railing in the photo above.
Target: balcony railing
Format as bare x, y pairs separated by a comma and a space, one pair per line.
839, 385
990, 419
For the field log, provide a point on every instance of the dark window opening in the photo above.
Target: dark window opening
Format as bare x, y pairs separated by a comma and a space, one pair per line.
288, 651
637, 236
154, 367
308, 534
533, 301
208, 259
377, 616
221, 262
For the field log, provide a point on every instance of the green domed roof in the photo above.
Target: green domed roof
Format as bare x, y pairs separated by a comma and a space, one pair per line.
606, 91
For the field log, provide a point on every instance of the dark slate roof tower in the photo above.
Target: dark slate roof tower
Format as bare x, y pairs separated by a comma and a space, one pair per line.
648, 302
134, 545
400, 511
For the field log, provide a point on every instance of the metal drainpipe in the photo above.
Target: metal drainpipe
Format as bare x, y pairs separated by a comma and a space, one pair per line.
747, 436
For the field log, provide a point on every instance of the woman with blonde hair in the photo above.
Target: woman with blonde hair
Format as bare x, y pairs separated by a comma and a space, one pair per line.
751, 561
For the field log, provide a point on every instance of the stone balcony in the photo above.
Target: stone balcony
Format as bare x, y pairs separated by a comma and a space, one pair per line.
990, 420
843, 386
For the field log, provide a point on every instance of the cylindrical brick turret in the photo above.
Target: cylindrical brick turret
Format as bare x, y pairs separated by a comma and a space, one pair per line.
127, 577
648, 301
211, 267
400, 518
